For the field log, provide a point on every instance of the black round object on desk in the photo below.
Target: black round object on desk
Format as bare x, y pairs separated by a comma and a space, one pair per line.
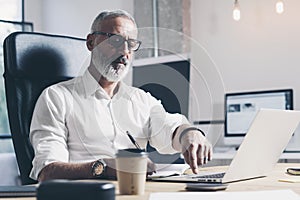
75, 190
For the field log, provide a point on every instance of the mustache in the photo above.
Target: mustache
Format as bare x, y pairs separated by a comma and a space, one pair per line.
121, 59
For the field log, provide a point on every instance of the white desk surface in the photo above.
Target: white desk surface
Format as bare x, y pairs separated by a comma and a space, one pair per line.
271, 182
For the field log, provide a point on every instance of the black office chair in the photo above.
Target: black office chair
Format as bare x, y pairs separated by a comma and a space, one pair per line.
32, 62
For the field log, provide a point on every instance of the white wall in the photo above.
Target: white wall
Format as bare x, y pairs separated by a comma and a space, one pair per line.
33, 13
258, 52
261, 51
69, 17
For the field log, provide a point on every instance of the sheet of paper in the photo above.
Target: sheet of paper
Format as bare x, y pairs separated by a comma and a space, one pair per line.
257, 195
164, 170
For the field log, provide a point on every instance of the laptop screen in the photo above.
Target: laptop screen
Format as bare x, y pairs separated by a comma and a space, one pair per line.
241, 108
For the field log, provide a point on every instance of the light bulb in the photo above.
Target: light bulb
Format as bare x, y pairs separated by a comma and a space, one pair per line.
279, 7
236, 14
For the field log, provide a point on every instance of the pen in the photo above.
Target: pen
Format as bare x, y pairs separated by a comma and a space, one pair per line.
133, 140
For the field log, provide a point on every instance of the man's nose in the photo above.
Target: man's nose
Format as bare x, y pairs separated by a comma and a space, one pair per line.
124, 49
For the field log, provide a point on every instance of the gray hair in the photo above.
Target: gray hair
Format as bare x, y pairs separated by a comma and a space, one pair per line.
110, 14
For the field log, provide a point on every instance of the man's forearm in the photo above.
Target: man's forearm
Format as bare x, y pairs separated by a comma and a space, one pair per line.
60, 170
175, 141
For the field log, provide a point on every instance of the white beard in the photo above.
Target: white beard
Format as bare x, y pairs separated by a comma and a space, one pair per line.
113, 72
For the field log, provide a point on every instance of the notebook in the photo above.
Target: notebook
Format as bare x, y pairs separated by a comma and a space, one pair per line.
260, 150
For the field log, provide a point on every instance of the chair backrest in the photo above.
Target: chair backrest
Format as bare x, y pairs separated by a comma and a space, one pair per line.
34, 61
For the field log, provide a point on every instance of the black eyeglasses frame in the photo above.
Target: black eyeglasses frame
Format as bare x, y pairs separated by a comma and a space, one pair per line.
129, 40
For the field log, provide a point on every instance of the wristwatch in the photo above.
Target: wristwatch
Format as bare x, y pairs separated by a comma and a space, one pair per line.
98, 168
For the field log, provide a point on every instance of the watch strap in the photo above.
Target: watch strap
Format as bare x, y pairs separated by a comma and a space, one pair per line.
185, 131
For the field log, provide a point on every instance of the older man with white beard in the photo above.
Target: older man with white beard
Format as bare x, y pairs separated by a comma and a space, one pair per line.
79, 125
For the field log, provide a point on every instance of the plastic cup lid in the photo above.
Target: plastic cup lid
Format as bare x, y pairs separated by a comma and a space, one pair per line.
131, 153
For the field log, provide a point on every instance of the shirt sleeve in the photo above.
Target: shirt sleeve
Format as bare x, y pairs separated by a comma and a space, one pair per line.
162, 126
48, 132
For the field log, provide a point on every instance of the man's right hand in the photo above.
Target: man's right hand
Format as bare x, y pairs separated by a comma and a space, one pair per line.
151, 167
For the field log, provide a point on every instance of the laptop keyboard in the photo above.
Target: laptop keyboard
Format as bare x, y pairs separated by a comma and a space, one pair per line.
218, 175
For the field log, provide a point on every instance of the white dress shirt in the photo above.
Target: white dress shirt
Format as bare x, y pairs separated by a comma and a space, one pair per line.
76, 121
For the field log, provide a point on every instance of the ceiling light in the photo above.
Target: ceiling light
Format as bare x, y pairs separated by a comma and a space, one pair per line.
236, 14
279, 7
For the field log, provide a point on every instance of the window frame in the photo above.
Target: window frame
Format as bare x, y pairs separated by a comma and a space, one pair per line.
24, 26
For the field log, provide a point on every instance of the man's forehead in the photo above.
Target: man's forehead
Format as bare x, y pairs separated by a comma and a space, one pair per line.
121, 25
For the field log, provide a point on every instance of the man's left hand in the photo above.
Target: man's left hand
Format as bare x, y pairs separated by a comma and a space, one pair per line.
196, 149
194, 146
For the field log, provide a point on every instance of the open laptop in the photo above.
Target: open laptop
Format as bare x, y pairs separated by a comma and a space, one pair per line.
265, 141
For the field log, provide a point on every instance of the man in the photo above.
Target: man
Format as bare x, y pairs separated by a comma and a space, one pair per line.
79, 125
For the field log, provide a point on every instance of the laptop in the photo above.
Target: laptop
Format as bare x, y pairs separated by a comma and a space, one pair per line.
260, 150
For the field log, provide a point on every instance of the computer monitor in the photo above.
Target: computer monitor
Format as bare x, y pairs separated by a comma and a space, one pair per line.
241, 108
167, 79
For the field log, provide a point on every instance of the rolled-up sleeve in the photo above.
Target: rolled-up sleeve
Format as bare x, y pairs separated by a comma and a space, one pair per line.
48, 133
162, 126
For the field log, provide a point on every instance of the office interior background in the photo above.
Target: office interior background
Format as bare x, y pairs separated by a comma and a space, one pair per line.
258, 52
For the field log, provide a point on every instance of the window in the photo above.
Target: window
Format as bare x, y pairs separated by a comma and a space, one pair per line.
164, 27
11, 10
11, 20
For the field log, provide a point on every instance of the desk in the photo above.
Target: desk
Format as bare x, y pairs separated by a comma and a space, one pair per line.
268, 183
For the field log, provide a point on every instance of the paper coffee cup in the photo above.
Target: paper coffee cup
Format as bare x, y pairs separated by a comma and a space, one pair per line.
131, 171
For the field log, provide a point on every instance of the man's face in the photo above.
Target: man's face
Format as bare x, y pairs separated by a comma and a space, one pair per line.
112, 54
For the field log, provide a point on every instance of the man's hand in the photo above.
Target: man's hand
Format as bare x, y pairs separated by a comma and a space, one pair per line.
194, 146
151, 167
196, 149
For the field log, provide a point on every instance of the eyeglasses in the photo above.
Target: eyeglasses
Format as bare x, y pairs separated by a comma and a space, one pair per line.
118, 40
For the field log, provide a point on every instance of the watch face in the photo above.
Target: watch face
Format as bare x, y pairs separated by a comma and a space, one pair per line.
98, 170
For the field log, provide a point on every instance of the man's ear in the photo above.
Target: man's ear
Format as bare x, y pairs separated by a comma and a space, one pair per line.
90, 42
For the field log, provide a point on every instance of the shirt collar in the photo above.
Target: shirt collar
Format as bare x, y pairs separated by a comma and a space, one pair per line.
91, 86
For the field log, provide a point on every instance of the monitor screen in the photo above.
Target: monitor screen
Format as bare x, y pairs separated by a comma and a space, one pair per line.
241, 108
167, 81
